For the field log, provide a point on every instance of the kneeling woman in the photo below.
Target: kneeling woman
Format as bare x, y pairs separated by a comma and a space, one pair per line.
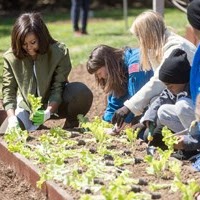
119, 73
39, 65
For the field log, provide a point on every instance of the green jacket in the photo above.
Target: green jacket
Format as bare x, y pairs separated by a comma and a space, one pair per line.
52, 70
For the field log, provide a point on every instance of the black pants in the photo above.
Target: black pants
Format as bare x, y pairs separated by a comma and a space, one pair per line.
157, 137
77, 99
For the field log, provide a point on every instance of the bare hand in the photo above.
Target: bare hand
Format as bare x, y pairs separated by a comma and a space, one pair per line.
180, 144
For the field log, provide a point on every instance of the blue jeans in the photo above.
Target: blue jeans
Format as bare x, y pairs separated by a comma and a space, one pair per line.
80, 8
192, 140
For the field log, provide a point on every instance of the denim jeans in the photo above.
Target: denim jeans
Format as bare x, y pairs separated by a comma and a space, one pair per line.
192, 140
79, 9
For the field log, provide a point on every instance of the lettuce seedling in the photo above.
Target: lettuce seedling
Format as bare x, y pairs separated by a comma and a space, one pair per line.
35, 103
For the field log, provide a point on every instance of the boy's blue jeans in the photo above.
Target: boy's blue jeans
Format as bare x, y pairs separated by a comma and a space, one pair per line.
192, 140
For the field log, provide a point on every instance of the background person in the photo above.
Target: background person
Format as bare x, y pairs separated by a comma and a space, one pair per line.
79, 11
119, 74
39, 65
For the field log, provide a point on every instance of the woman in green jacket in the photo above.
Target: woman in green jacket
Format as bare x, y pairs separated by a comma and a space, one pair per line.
39, 65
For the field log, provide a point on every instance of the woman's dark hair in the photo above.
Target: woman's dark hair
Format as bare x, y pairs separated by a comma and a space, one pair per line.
112, 59
30, 23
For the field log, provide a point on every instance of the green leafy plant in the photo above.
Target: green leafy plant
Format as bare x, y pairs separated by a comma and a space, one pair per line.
132, 137
158, 165
188, 190
155, 186
120, 188
168, 138
82, 119
35, 103
175, 168
16, 141
96, 128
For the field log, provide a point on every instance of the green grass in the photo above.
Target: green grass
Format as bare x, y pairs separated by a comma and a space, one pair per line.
106, 27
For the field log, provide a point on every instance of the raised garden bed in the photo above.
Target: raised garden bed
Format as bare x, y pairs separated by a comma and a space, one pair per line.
89, 166
24, 168
85, 150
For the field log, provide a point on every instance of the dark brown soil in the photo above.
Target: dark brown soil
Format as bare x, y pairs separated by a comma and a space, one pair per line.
99, 102
14, 189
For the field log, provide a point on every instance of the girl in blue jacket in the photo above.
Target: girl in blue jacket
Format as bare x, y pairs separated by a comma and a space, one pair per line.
119, 73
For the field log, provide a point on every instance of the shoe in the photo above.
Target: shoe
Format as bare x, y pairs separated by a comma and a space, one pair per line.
184, 155
77, 34
196, 162
84, 33
69, 125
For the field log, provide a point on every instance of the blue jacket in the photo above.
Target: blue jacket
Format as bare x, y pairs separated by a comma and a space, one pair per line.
136, 79
195, 75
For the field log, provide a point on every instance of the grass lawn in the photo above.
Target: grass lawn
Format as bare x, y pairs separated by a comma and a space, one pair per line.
105, 27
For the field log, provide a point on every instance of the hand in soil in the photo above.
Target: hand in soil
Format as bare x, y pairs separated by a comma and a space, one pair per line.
110, 131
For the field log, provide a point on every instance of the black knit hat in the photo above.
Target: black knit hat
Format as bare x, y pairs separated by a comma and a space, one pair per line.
176, 68
193, 14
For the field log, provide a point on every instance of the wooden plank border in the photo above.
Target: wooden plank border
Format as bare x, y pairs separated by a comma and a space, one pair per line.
24, 168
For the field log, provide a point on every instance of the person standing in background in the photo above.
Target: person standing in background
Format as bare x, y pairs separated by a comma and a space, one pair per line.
79, 7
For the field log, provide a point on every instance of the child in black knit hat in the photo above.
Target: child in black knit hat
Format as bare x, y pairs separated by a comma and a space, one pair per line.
174, 107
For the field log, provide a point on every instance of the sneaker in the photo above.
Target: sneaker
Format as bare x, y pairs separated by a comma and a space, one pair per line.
77, 34
69, 125
196, 162
84, 33
184, 155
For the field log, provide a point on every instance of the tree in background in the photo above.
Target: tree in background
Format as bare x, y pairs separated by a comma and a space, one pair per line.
27, 5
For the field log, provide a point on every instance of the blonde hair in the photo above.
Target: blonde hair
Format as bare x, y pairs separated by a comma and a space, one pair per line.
149, 28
